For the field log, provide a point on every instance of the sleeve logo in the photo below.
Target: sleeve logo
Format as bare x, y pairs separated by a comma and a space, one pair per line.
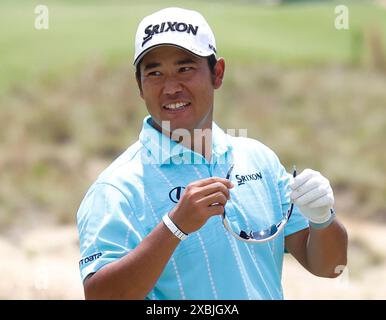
90, 258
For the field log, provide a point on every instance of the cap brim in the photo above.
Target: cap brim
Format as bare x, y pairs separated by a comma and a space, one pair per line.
139, 58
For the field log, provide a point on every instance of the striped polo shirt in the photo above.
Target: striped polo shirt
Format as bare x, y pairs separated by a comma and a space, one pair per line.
129, 198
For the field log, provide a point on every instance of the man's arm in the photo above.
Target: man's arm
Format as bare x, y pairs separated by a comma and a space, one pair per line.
322, 247
320, 251
134, 275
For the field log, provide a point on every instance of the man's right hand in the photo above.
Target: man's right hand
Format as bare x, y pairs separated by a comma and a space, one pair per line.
201, 200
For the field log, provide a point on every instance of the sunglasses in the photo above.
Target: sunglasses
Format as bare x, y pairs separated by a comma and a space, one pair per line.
262, 235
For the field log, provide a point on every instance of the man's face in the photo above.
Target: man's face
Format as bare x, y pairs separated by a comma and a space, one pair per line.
179, 87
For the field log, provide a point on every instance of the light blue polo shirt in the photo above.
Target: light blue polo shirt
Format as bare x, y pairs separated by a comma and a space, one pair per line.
130, 197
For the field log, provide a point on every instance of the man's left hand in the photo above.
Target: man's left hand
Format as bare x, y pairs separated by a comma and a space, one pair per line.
313, 194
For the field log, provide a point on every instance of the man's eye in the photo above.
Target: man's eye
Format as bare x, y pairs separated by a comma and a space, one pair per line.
185, 69
154, 74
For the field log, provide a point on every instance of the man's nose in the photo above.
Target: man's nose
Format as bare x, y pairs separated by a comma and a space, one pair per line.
171, 86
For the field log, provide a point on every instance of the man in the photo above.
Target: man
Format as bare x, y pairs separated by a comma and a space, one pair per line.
152, 225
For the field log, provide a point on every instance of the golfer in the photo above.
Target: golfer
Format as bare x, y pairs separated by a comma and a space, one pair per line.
188, 211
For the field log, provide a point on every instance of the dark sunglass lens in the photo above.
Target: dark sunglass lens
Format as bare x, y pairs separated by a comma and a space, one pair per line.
244, 235
273, 229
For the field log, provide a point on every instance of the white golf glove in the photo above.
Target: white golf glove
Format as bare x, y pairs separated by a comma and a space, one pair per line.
313, 195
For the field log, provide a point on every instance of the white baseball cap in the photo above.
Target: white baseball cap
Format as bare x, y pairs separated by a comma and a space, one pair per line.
186, 29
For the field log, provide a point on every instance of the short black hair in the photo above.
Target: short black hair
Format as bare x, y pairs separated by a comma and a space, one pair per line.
211, 63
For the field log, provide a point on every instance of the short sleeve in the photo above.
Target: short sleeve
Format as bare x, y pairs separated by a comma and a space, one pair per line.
296, 222
107, 227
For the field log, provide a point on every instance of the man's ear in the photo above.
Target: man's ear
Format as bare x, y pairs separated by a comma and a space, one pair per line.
139, 86
138, 78
219, 70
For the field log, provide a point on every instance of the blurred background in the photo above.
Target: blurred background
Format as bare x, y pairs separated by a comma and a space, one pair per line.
69, 105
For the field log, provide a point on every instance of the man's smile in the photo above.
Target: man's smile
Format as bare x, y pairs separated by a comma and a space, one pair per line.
176, 106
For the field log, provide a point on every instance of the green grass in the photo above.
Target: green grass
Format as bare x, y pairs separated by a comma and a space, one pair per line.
246, 33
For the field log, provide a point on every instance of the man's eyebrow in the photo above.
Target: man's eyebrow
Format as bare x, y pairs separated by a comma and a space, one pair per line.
151, 65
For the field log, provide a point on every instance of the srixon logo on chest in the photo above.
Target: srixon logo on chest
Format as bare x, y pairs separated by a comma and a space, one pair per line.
151, 30
242, 179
